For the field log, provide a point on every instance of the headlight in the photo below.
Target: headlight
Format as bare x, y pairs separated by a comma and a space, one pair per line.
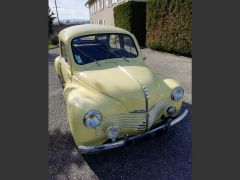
177, 93
171, 110
113, 132
92, 119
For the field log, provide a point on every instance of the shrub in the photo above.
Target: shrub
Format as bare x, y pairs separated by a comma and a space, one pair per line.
55, 40
50, 21
132, 17
169, 26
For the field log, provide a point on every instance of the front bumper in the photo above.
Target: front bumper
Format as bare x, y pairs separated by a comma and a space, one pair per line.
99, 148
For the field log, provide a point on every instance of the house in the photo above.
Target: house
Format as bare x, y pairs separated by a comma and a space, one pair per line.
101, 11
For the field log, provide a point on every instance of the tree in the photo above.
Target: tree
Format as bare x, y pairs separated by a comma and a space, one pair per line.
50, 21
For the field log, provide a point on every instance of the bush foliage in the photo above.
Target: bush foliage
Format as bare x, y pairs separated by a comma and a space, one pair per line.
54, 40
50, 21
169, 26
132, 17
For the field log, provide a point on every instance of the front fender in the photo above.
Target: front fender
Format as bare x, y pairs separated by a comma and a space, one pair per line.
57, 65
79, 100
167, 85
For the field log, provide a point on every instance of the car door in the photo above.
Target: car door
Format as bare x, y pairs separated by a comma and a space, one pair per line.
65, 65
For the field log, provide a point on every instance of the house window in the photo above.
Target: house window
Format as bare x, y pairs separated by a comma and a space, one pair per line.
95, 7
98, 5
91, 9
102, 21
102, 4
109, 2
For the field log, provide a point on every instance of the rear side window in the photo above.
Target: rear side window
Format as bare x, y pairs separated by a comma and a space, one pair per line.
64, 51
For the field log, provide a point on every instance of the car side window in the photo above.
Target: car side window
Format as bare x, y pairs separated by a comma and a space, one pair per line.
129, 45
64, 52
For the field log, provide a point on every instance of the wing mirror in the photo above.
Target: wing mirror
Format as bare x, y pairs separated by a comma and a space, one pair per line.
144, 58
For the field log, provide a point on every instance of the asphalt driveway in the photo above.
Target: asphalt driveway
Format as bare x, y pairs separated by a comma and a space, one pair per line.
167, 156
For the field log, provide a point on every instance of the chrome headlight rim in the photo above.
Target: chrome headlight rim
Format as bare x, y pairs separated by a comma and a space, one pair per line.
174, 93
90, 114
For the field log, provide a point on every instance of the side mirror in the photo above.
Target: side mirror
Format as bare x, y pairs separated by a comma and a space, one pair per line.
144, 58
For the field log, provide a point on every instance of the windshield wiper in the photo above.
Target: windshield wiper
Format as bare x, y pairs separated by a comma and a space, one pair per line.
96, 61
114, 53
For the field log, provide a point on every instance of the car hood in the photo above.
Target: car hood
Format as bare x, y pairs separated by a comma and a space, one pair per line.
124, 83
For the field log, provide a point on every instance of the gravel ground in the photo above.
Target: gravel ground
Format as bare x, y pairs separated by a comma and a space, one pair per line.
167, 156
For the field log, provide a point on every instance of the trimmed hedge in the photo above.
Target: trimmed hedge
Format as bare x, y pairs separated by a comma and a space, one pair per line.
132, 17
169, 26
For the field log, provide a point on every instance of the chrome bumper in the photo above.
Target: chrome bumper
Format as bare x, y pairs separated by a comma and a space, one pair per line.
94, 149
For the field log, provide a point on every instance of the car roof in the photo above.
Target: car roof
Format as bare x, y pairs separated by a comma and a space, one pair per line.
71, 32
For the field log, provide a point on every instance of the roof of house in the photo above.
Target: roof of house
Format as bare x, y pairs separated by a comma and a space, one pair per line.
69, 33
88, 1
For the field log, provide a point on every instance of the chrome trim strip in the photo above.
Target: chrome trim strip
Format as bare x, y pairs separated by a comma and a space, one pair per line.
99, 148
179, 118
137, 111
92, 149
145, 92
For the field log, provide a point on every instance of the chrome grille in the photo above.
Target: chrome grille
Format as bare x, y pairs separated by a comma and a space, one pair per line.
132, 121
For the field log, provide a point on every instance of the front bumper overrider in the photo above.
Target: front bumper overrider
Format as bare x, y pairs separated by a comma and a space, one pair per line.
99, 148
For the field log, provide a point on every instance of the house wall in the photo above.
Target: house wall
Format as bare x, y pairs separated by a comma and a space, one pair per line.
105, 14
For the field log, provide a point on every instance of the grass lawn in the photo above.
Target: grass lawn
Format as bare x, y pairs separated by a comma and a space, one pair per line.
51, 46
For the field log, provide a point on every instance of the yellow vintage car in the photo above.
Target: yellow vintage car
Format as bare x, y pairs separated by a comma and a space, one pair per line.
111, 96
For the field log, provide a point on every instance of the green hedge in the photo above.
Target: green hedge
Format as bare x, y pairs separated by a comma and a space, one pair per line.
169, 26
132, 17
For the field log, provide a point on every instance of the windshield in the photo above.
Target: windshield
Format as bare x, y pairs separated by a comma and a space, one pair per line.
94, 48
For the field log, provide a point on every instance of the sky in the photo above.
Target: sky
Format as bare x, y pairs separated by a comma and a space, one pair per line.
70, 9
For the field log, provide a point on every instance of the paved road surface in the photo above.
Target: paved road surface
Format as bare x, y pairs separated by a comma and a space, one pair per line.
168, 156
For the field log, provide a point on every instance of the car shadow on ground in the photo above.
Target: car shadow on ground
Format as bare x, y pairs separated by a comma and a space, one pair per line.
167, 156
61, 155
